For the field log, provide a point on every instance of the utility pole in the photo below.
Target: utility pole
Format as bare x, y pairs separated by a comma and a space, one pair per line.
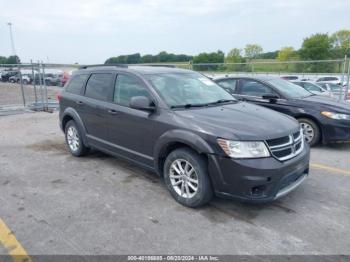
13, 49
342, 79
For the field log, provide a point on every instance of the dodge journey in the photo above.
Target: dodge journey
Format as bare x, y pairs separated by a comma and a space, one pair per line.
187, 129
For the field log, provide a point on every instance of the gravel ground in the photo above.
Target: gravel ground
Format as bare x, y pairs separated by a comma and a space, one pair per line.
55, 203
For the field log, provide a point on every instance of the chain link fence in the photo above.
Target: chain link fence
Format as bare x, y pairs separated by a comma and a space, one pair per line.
32, 86
35, 86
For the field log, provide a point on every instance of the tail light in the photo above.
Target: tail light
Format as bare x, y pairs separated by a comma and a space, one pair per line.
58, 96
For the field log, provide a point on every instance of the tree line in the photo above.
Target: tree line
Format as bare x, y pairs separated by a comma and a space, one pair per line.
320, 46
9, 60
159, 58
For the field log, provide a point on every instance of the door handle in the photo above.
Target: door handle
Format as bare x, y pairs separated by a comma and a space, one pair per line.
79, 102
112, 112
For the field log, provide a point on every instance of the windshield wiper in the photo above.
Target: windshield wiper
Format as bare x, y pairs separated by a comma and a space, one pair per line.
189, 105
223, 101
205, 104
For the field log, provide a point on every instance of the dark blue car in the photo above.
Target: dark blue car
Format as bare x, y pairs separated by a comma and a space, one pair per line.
323, 119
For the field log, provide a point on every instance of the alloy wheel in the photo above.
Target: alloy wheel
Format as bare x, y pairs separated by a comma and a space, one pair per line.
183, 178
73, 138
308, 131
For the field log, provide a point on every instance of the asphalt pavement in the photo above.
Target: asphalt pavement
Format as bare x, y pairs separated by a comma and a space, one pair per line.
54, 203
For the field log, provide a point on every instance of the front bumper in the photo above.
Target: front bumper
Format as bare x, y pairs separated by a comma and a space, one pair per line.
258, 180
336, 131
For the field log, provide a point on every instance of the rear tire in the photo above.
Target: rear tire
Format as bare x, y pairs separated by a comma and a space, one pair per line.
186, 177
311, 131
74, 139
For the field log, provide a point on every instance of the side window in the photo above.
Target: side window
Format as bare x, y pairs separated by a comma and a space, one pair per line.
228, 84
254, 88
127, 87
76, 83
99, 86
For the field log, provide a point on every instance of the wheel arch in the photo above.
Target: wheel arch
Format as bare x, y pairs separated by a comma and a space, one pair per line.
174, 139
71, 114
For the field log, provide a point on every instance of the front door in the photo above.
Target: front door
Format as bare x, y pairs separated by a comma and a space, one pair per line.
253, 91
130, 130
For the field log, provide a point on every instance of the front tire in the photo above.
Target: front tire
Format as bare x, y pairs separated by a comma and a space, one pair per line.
74, 139
311, 131
186, 177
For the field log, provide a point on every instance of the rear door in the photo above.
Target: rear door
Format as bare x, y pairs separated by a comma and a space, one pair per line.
73, 93
95, 105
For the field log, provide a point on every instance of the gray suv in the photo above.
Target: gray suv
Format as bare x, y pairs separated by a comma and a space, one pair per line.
187, 129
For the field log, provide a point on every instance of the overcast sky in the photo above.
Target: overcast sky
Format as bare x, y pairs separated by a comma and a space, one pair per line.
86, 31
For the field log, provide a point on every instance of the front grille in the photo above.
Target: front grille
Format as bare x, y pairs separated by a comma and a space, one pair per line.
287, 147
278, 141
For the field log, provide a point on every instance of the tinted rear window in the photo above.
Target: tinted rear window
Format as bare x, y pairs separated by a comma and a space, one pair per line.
76, 84
99, 86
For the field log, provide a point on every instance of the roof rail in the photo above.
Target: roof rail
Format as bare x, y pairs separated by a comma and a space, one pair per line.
159, 65
104, 65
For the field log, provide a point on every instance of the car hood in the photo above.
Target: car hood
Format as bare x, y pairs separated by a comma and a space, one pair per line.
327, 103
241, 121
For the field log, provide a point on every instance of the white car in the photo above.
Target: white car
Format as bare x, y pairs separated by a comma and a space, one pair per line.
335, 89
314, 88
329, 79
26, 79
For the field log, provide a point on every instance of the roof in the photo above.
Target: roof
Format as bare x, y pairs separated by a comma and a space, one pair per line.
136, 69
157, 69
257, 77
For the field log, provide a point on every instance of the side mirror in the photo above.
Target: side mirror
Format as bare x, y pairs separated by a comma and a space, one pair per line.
142, 103
271, 97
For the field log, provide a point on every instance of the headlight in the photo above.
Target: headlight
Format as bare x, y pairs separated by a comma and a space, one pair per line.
337, 116
246, 149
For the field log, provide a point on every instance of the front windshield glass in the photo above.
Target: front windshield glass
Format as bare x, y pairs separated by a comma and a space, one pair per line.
188, 89
313, 88
289, 89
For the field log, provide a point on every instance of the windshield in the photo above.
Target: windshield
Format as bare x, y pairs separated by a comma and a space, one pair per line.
188, 89
313, 87
288, 89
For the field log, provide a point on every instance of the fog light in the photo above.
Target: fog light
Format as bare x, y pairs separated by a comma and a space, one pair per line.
258, 190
